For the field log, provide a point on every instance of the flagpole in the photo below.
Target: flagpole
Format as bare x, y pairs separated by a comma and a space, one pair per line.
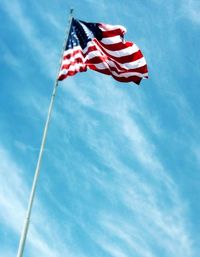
37, 170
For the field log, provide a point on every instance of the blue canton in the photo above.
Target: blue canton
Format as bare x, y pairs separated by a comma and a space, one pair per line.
81, 33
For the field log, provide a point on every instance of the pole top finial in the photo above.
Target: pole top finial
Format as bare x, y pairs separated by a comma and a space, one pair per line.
71, 10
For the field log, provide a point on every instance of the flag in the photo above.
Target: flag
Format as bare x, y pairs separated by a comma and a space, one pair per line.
102, 48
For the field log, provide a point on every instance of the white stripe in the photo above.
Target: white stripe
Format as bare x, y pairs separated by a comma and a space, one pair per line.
88, 32
98, 53
121, 75
93, 54
73, 58
129, 65
74, 67
69, 51
129, 74
111, 40
90, 43
108, 63
104, 66
63, 72
136, 64
124, 52
107, 27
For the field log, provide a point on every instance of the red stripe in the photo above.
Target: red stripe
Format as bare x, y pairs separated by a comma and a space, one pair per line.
135, 79
117, 46
112, 33
76, 61
72, 65
119, 69
72, 53
71, 73
123, 59
61, 77
64, 76
112, 69
84, 61
97, 60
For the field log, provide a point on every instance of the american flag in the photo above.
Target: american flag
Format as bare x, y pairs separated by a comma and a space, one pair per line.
101, 47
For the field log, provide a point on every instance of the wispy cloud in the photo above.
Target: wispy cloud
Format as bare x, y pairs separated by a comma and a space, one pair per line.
191, 10
24, 147
30, 31
9, 58
107, 180
150, 196
7, 253
14, 192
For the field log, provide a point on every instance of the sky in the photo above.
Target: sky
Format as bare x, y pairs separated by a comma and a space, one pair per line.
120, 172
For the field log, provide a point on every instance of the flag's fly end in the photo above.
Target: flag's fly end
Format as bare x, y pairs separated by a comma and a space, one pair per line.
101, 47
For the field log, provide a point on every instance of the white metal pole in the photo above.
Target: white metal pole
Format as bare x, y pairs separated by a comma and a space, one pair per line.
37, 170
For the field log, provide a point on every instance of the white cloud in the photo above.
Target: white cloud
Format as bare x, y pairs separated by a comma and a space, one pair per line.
44, 238
9, 58
126, 233
7, 253
150, 218
150, 196
28, 29
191, 10
12, 192
24, 147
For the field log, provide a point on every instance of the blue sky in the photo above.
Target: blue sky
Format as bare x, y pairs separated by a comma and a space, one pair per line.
120, 173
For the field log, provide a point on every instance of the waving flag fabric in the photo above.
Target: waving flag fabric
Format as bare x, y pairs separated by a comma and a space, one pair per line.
102, 48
